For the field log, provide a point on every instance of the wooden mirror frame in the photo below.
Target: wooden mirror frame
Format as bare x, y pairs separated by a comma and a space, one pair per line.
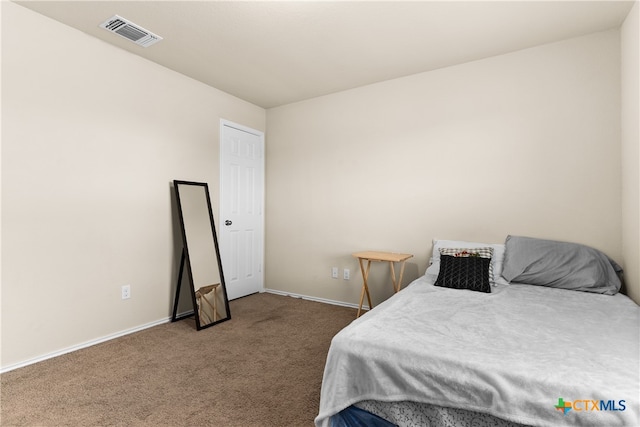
199, 291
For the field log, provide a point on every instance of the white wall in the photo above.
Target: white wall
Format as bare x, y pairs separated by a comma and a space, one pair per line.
526, 143
630, 52
92, 137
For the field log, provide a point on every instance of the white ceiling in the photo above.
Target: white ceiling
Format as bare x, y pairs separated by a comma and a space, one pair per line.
273, 53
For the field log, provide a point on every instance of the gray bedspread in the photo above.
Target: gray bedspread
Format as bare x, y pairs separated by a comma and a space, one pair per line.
512, 354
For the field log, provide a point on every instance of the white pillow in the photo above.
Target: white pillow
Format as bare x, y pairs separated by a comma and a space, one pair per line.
496, 261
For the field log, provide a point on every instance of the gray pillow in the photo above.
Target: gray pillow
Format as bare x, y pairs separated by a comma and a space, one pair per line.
559, 265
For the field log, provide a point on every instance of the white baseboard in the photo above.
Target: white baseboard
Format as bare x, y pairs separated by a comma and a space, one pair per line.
82, 345
316, 299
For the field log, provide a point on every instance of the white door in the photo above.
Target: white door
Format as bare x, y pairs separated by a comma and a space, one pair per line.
241, 208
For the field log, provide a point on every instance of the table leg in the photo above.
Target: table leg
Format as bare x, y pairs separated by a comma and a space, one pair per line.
365, 287
393, 277
396, 285
400, 279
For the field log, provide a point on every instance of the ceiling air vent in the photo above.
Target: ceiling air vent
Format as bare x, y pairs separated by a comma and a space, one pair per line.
131, 31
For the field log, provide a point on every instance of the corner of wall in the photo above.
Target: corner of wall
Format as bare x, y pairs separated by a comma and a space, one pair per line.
630, 127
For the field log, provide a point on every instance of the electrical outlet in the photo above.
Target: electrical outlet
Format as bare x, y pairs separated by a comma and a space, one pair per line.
126, 291
346, 274
334, 272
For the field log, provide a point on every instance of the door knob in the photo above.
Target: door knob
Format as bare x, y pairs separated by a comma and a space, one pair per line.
227, 222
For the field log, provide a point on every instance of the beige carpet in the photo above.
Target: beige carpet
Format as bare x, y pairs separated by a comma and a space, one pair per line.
262, 368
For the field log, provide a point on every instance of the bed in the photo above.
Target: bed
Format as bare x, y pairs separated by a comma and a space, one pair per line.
552, 343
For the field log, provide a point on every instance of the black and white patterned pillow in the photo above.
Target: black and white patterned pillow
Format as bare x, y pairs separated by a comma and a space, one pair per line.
464, 272
467, 252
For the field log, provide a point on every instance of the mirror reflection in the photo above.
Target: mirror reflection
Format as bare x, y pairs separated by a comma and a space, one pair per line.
201, 257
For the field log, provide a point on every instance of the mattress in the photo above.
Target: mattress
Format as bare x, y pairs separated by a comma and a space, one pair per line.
526, 354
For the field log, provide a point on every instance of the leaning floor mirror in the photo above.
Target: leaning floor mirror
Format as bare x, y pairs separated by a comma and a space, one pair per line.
200, 260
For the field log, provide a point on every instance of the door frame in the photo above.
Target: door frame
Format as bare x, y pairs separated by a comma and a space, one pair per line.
223, 242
